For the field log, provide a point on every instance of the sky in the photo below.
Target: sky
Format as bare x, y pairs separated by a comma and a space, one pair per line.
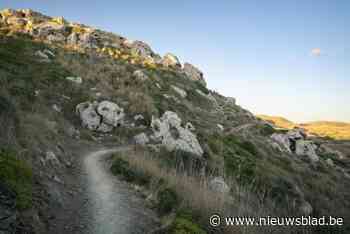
285, 58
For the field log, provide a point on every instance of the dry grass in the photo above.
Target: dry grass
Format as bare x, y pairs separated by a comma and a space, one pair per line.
196, 195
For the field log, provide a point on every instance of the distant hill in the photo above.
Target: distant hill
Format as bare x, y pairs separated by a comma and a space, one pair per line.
278, 121
336, 130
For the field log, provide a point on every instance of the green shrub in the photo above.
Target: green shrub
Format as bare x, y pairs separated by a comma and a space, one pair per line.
240, 158
122, 168
250, 147
18, 176
185, 224
266, 130
167, 200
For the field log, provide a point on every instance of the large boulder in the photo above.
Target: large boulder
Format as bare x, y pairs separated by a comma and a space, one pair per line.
289, 139
168, 131
294, 141
101, 117
283, 141
170, 60
307, 148
88, 115
111, 113
194, 73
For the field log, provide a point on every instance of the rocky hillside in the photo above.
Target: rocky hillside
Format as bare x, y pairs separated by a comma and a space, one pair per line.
66, 88
335, 130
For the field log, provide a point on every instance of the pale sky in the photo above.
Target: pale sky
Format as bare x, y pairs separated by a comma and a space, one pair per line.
286, 58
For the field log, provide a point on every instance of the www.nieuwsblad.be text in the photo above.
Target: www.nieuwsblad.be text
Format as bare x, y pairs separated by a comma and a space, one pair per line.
216, 221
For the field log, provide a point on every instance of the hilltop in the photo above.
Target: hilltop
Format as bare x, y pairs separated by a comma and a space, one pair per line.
333, 129
67, 89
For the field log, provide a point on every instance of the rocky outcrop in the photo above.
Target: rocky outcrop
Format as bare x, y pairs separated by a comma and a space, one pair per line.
168, 131
230, 101
80, 37
88, 115
170, 60
294, 141
102, 117
308, 148
194, 73
111, 113
140, 48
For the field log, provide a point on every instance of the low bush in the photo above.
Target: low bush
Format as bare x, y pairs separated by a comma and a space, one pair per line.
266, 130
184, 224
167, 200
122, 168
17, 175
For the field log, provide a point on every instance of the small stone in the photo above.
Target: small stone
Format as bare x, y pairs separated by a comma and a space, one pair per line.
77, 80
330, 162
141, 139
220, 127
56, 108
140, 75
218, 185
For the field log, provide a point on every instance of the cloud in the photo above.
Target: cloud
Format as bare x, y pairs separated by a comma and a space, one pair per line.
316, 52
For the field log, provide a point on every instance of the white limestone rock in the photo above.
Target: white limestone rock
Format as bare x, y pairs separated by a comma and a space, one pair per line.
140, 48
56, 108
307, 148
141, 139
111, 113
283, 141
139, 117
219, 185
330, 162
189, 126
220, 127
103, 127
140, 75
194, 73
288, 140
173, 136
50, 157
77, 80
42, 56
88, 115
170, 60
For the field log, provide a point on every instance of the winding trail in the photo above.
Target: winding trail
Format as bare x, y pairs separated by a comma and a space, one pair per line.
113, 207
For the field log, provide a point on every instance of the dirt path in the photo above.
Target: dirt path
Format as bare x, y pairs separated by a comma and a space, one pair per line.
99, 203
